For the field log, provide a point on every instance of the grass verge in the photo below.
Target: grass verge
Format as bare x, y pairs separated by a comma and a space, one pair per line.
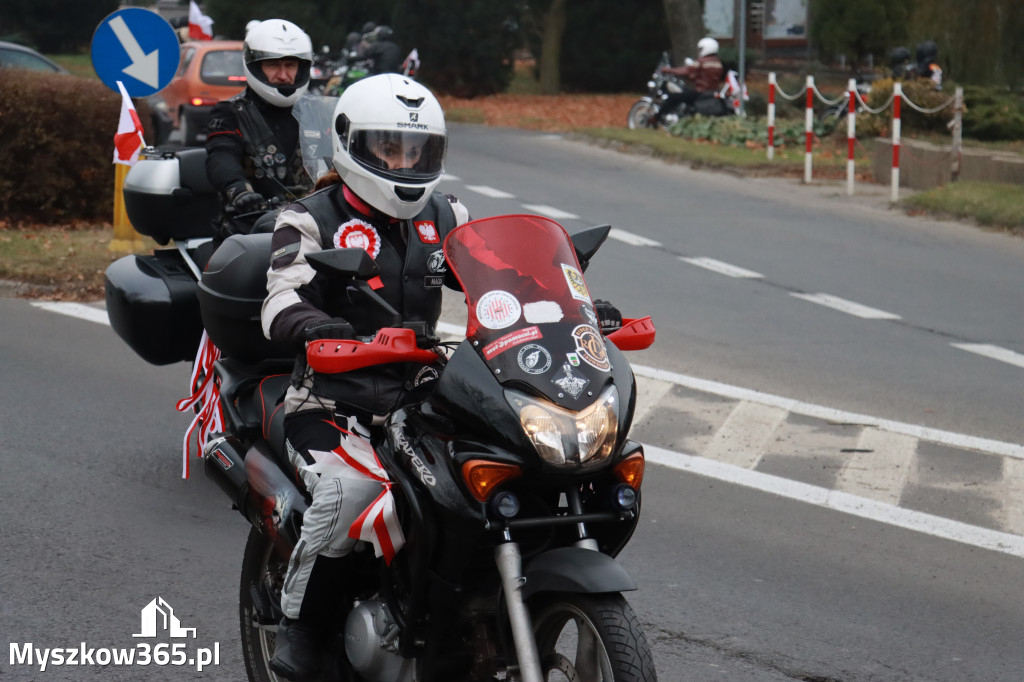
990, 204
65, 262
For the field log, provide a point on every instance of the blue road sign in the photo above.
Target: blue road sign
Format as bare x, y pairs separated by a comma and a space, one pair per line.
137, 47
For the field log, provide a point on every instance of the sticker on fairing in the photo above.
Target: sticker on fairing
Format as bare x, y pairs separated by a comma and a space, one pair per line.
359, 235
569, 382
534, 359
590, 347
577, 287
542, 312
498, 309
511, 340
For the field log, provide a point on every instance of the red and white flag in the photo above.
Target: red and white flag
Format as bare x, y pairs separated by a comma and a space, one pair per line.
128, 140
200, 26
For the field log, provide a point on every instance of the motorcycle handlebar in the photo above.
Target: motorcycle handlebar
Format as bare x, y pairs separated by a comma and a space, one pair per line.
391, 344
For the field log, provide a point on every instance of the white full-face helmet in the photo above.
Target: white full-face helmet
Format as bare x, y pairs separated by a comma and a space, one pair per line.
706, 46
384, 117
274, 39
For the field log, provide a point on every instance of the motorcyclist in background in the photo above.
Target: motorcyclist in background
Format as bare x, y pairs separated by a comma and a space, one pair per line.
384, 53
253, 153
705, 75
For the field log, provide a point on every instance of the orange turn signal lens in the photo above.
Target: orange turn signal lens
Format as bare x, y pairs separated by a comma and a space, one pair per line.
631, 470
484, 476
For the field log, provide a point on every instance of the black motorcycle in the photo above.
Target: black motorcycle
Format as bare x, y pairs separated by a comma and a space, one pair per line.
650, 112
507, 480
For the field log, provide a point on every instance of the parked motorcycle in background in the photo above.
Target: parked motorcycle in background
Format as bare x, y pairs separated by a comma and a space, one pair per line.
648, 111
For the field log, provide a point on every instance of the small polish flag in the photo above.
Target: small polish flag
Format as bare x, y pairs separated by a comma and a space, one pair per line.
200, 26
128, 140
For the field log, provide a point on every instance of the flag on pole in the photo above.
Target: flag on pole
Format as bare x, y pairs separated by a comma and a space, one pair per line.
128, 140
200, 26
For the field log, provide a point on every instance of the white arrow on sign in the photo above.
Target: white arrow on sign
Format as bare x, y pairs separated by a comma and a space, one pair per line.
144, 67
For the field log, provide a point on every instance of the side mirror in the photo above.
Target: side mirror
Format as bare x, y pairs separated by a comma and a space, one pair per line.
350, 263
586, 242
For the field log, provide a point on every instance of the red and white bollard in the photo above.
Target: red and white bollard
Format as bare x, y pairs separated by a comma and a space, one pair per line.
809, 129
771, 115
851, 137
897, 99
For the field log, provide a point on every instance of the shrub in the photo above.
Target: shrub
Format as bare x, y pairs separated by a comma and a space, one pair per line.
993, 114
58, 133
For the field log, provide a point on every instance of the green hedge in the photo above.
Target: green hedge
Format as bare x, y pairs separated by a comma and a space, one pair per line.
58, 143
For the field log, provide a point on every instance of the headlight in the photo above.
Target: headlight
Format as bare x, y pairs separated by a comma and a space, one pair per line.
568, 439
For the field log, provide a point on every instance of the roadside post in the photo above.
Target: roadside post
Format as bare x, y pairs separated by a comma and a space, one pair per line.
139, 48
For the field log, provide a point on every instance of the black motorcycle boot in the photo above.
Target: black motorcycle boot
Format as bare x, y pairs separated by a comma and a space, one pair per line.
296, 650
300, 642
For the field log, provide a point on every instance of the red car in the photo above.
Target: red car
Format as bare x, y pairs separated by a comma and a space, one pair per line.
209, 71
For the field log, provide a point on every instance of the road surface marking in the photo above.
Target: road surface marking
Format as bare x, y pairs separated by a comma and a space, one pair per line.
632, 239
550, 212
958, 440
1007, 543
742, 438
490, 192
879, 468
722, 268
994, 352
848, 307
79, 310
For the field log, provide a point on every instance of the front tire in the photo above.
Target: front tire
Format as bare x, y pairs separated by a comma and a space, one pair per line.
591, 638
258, 612
642, 115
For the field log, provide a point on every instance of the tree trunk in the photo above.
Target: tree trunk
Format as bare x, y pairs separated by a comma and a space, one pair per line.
551, 48
685, 27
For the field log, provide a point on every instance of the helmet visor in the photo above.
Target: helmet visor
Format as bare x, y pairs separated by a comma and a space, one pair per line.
399, 156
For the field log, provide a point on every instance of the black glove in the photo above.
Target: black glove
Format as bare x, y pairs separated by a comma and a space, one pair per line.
608, 316
248, 201
329, 328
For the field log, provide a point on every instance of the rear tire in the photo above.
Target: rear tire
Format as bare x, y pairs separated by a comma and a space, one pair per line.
258, 612
189, 135
591, 638
642, 115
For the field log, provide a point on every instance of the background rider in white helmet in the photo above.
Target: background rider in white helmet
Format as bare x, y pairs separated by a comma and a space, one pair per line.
252, 146
705, 75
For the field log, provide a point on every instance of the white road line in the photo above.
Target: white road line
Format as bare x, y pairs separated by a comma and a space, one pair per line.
490, 192
848, 307
994, 352
936, 526
550, 212
451, 178
722, 268
958, 440
84, 312
742, 438
632, 239
880, 467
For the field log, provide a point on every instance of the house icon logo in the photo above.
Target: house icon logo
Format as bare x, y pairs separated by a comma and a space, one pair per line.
158, 617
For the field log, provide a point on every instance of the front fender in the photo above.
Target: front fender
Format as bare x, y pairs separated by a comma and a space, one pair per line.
573, 569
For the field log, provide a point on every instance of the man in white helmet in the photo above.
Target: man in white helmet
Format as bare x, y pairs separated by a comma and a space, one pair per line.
704, 75
389, 141
253, 154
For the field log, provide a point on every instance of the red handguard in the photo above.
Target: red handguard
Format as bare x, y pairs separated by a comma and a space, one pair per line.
331, 356
633, 334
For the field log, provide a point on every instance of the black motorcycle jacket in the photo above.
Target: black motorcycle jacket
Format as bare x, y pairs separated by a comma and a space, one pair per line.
412, 272
251, 142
